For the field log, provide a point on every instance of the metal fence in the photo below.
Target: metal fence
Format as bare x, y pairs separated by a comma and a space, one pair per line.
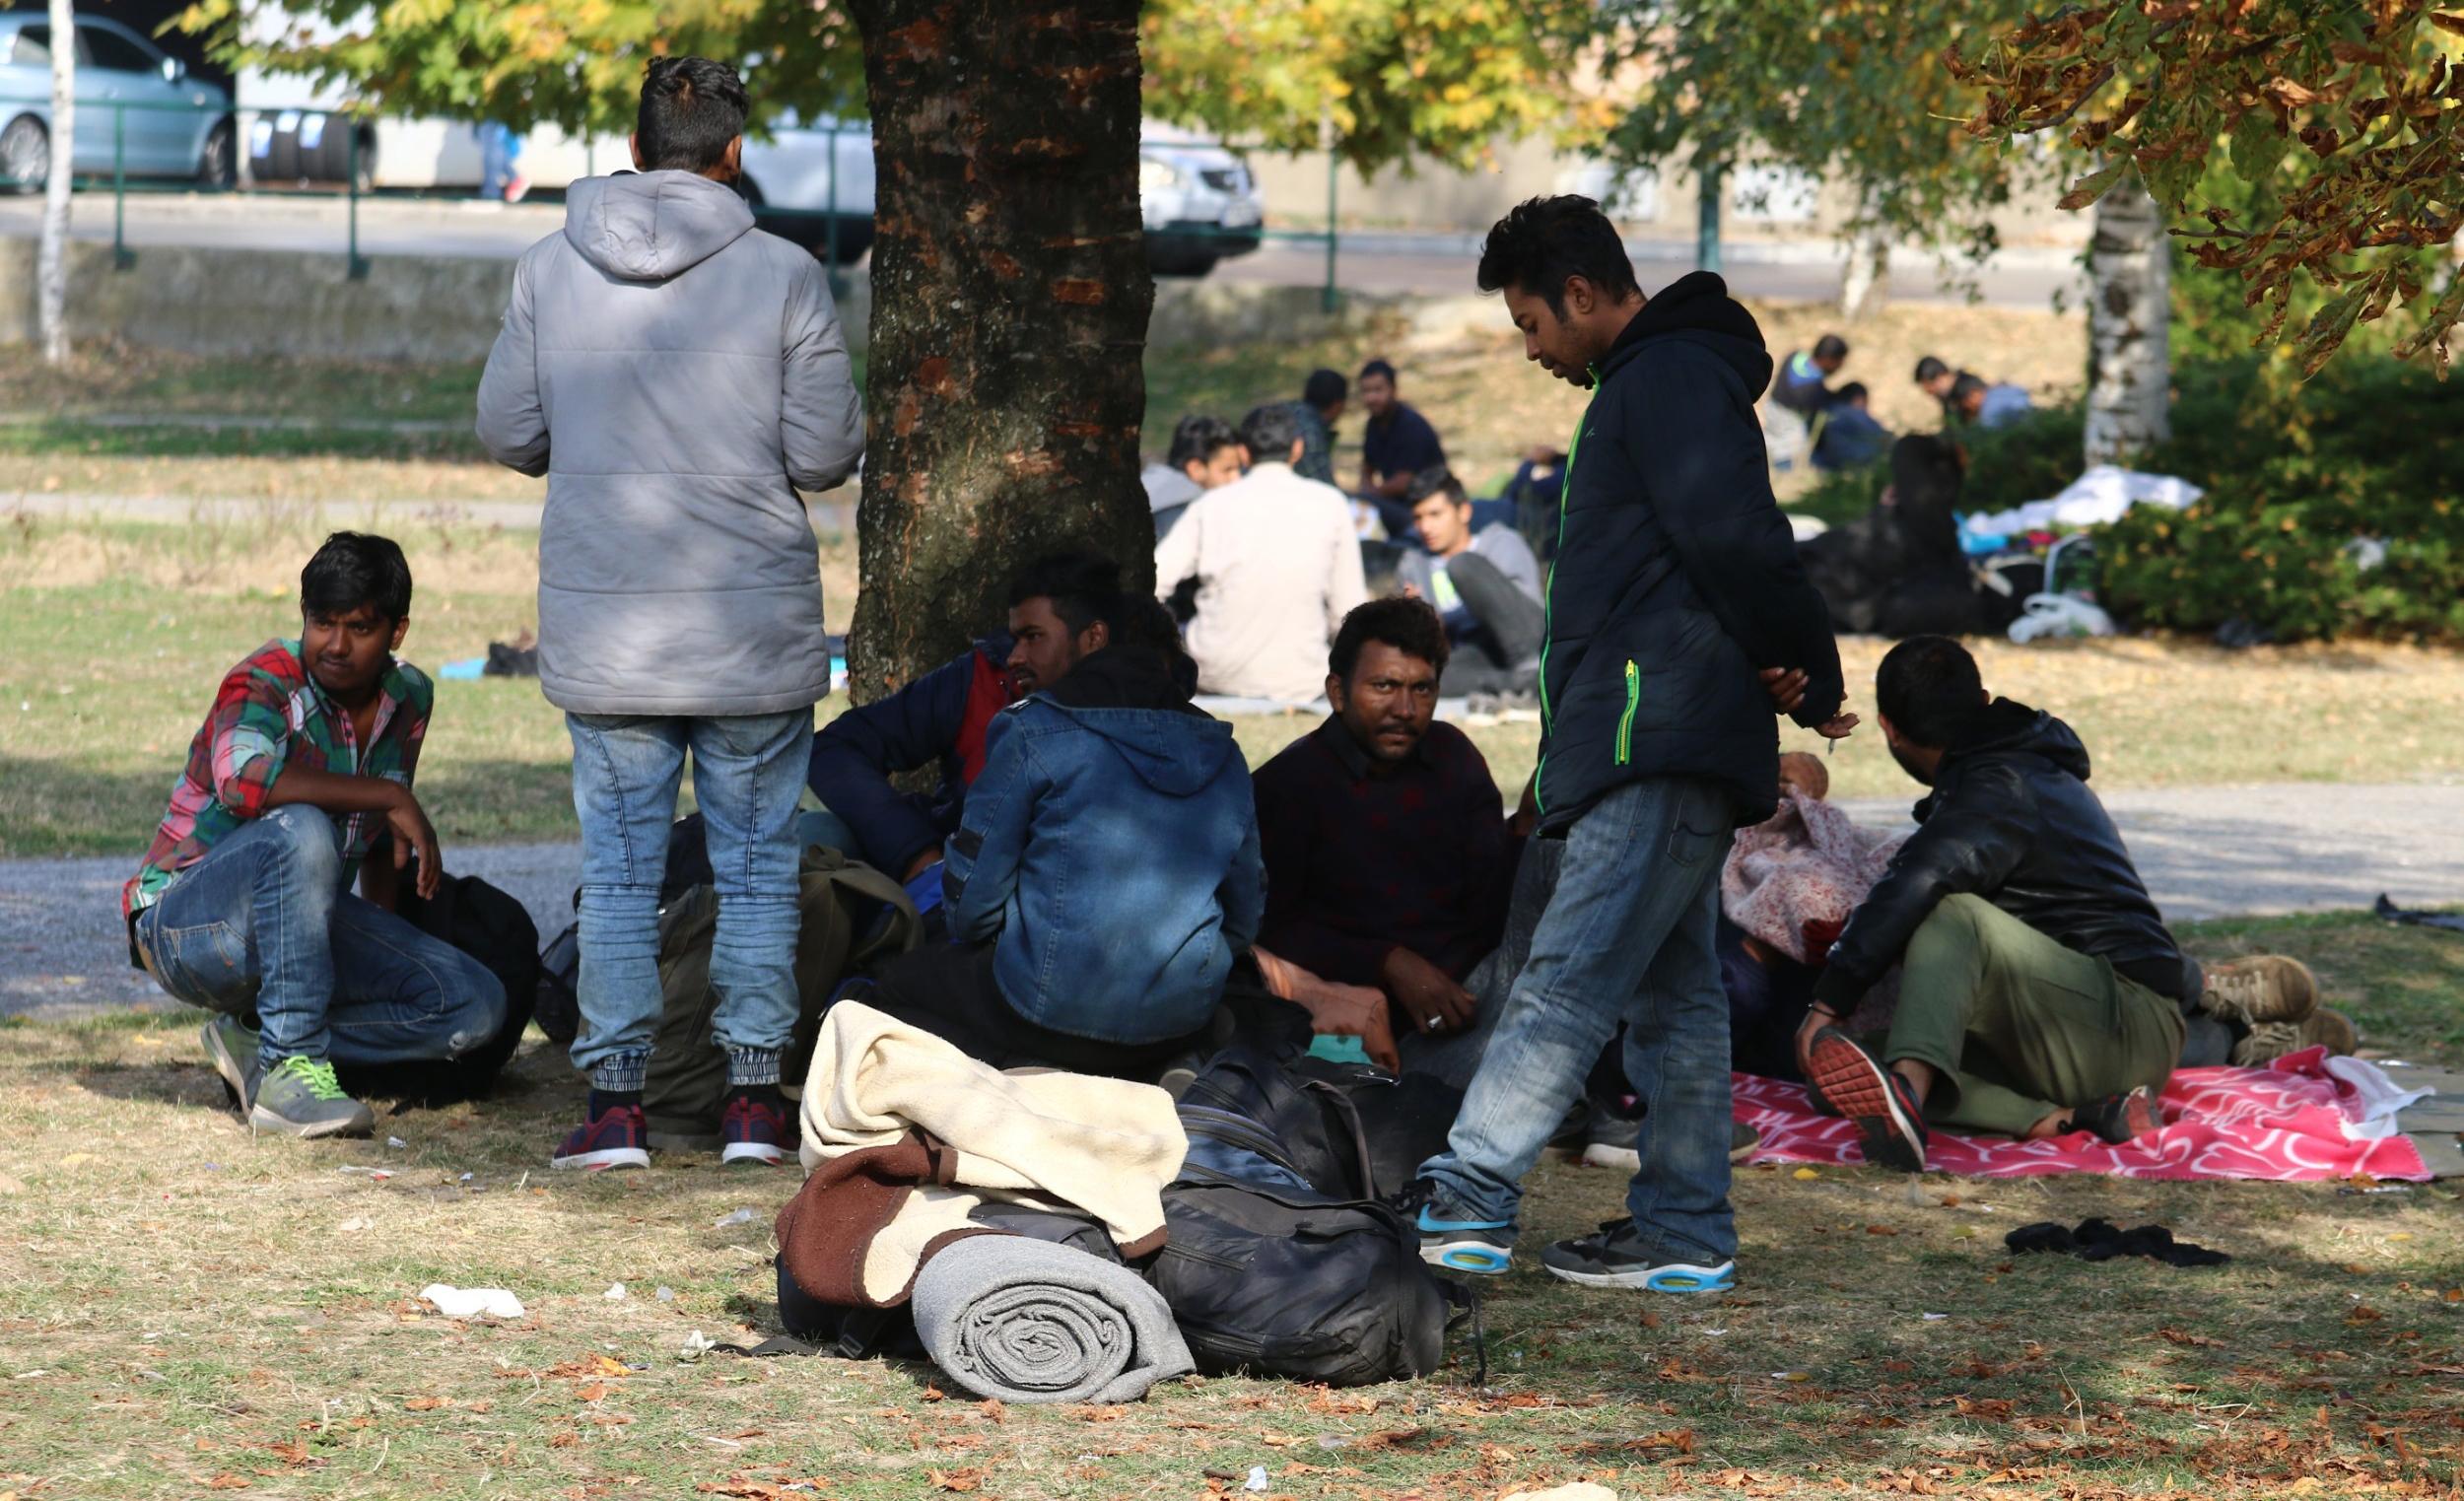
356, 184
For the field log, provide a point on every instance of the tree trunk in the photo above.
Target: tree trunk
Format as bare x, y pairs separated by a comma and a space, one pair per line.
51, 256
1865, 282
1710, 180
2130, 367
1009, 304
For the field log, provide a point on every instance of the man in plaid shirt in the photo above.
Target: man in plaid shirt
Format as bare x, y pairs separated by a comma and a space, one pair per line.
302, 771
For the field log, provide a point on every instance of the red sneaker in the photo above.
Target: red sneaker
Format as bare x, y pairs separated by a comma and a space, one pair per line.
615, 1138
1854, 1083
754, 1131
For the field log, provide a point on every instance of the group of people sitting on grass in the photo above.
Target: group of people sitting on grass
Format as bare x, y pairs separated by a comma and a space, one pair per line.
1106, 866
1839, 421
1261, 554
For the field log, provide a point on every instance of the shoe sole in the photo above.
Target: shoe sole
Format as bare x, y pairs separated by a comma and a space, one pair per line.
750, 1151
1854, 1083
1477, 1257
1669, 1280
606, 1157
262, 1120
234, 1077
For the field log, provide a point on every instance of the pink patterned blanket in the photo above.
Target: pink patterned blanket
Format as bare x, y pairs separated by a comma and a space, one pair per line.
2285, 1122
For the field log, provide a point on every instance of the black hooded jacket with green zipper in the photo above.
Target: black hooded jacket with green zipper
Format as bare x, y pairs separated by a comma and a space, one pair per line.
1676, 577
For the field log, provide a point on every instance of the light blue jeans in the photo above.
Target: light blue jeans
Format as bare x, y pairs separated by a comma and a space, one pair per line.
748, 772
1627, 936
263, 923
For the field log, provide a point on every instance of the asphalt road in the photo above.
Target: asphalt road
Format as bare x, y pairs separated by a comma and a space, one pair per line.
1375, 263
2205, 852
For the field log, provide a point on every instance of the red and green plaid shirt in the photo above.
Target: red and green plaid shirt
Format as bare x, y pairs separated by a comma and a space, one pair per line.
267, 714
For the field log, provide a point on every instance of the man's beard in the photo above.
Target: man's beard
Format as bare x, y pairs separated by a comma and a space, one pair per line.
1916, 772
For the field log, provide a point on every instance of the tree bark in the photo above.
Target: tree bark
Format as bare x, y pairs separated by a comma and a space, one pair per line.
1010, 295
1865, 282
51, 256
2130, 366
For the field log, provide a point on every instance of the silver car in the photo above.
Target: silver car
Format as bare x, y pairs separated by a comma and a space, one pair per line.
165, 124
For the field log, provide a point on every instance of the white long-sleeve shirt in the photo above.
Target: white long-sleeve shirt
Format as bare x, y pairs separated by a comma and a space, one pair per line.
1277, 563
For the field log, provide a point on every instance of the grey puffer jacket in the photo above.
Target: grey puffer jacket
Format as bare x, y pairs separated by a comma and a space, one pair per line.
677, 375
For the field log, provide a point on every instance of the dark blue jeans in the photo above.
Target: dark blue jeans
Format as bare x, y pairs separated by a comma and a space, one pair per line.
263, 923
1627, 937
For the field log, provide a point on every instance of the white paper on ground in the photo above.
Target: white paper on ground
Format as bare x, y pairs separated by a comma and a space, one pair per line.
471, 1301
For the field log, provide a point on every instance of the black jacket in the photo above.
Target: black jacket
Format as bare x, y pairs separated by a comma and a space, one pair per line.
1675, 576
2010, 820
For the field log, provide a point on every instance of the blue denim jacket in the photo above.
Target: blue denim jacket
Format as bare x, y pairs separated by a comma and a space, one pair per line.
1110, 847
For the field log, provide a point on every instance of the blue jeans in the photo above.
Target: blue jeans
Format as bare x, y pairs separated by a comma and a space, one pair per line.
748, 772
263, 923
1627, 936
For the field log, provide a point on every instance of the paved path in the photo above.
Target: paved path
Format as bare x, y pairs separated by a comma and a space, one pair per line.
2206, 852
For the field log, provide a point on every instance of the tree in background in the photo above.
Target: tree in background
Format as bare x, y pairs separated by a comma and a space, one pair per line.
1850, 92
51, 253
2339, 117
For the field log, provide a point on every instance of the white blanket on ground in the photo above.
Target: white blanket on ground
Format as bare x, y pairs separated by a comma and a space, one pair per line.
2100, 495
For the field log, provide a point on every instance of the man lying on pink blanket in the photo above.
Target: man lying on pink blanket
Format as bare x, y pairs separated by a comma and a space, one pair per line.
2040, 993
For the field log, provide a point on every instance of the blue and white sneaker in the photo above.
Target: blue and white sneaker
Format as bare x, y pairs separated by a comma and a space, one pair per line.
1452, 1239
1618, 1257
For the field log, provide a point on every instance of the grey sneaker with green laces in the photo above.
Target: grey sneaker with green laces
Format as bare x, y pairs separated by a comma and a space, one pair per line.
301, 1097
232, 1048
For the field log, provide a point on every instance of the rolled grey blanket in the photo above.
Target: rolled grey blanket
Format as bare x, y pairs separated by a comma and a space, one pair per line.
1026, 1321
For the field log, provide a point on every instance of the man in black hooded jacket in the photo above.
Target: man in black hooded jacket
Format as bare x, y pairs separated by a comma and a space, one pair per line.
1677, 618
2041, 992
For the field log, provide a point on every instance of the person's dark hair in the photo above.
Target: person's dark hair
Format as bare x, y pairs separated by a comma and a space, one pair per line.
1378, 367
1409, 626
1930, 369
1083, 585
1965, 386
1830, 347
1437, 480
691, 108
1196, 438
1269, 433
353, 568
1143, 624
1853, 390
1544, 240
1324, 388
1929, 688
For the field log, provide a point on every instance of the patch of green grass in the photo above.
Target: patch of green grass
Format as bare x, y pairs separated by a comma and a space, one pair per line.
62, 437
183, 1306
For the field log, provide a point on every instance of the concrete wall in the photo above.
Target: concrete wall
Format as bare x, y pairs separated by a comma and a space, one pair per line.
435, 310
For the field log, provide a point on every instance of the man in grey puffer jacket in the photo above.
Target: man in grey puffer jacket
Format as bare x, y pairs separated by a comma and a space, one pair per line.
678, 376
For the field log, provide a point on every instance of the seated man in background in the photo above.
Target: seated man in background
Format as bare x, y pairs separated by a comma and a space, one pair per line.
1106, 873
1802, 382
1319, 409
1485, 587
1389, 861
1206, 454
299, 782
1277, 565
1058, 608
1935, 379
2041, 991
1850, 438
1988, 406
1396, 446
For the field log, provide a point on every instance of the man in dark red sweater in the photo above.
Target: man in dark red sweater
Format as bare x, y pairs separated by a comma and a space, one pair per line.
1390, 860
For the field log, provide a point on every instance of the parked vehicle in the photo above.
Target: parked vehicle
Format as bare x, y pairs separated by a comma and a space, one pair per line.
133, 104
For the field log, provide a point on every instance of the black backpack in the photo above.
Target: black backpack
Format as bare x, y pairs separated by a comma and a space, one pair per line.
1352, 1129
494, 929
1269, 1275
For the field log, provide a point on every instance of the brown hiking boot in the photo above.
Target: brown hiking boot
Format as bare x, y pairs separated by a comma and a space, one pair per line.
2262, 988
2270, 1041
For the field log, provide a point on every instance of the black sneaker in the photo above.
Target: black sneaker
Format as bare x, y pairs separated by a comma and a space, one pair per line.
1618, 1257
1453, 1238
1855, 1084
2120, 1120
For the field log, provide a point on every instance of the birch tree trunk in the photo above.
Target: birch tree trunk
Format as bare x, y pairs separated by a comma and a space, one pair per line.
1865, 282
1010, 294
2130, 367
51, 256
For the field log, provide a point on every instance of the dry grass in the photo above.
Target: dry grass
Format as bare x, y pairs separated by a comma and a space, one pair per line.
184, 1309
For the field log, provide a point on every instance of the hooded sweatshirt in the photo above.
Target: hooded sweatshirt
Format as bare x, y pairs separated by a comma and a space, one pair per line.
1110, 853
677, 375
1676, 577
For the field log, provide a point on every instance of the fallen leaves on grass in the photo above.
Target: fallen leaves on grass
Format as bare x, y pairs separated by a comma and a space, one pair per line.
960, 1480
424, 1403
2185, 1337
1408, 1438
